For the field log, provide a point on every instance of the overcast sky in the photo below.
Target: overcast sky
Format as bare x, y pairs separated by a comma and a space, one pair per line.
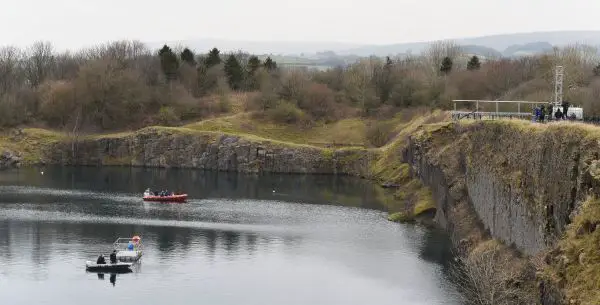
75, 23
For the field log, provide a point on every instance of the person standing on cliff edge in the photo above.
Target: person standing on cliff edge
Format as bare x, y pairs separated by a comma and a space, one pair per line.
536, 113
565, 106
558, 114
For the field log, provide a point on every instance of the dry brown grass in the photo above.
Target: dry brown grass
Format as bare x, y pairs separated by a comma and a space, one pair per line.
348, 131
31, 143
577, 263
491, 274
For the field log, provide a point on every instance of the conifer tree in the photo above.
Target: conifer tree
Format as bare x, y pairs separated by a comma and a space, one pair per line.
168, 62
213, 58
386, 83
187, 56
473, 63
253, 64
446, 66
270, 64
234, 72
252, 82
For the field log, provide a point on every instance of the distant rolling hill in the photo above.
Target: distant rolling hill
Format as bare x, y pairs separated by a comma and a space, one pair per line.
258, 47
505, 44
481, 50
528, 48
329, 54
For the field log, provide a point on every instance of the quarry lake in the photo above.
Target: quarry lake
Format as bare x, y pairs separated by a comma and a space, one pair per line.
239, 239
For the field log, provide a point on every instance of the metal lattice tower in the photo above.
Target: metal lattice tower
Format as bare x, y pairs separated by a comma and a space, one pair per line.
558, 85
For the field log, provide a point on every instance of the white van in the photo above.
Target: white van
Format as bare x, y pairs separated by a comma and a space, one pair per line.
578, 111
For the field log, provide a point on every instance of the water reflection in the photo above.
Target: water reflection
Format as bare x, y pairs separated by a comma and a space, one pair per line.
436, 247
112, 278
44, 241
199, 184
230, 242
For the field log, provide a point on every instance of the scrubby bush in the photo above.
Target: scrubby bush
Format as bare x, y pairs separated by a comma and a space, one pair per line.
379, 133
166, 116
286, 112
319, 101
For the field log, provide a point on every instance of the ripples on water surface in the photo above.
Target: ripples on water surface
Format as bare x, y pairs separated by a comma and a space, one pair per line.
315, 240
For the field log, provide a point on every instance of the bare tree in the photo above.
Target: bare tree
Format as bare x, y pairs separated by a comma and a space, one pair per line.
11, 73
293, 84
587, 97
111, 96
40, 63
319, 101
188, 76
490, 277
358, 80
67, 65
177, 48
242, 58
437, 51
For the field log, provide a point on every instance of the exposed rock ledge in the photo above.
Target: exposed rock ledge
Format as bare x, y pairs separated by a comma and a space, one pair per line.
9, 159
178, 147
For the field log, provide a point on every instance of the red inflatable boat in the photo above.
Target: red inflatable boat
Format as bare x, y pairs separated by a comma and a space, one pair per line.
172, 198
149, 196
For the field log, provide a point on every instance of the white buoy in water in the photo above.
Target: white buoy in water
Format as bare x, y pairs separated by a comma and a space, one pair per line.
42, 172
273, 191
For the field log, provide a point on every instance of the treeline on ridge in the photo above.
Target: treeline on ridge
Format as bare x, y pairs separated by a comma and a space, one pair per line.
125, 84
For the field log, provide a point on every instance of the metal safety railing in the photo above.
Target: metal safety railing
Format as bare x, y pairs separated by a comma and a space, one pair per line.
483, 115
497, 114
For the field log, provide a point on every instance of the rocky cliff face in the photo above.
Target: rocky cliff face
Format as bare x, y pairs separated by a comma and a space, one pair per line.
9, 159
523, 182
162, 147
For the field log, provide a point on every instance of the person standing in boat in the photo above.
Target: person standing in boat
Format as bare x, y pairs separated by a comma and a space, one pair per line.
113, 257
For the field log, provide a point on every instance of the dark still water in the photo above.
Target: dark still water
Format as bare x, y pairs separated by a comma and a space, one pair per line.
274, 239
